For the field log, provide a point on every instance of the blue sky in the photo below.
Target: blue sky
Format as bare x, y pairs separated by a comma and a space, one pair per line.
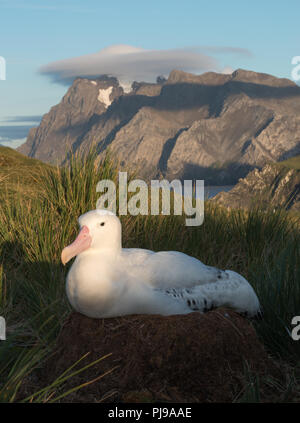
34, 33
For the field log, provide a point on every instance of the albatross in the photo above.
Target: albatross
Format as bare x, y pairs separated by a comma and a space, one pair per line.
106, 280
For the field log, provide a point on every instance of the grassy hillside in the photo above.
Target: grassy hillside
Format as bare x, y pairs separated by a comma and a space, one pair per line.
18, 173
292, 163
264, 246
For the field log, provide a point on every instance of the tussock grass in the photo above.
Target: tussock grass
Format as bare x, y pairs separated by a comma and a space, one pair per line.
263, 245
292, 163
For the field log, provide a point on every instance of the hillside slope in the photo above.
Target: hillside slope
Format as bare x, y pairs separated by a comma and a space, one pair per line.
19, 175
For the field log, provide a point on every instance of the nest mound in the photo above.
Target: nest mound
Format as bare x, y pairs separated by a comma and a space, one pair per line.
182, 358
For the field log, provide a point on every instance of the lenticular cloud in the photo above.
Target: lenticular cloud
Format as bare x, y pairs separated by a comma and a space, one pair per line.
128, 63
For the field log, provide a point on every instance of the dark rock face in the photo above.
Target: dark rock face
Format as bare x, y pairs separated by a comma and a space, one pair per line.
187, 358
210, 126
70, 119
275, 185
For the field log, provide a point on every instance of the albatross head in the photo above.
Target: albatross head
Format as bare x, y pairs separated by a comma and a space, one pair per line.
99, 229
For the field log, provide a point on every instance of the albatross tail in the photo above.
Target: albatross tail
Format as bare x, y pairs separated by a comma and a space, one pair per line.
234, 292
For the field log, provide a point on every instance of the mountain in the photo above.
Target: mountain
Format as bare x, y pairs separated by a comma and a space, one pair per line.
276, 185
212, 126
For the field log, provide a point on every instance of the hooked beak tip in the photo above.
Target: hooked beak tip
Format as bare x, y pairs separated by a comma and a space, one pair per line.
81, 243
62, 258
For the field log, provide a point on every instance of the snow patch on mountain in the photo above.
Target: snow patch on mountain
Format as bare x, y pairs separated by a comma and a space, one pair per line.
104, 95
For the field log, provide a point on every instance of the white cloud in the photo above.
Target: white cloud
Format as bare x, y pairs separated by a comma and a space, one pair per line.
227, 70
22, 119
129, 63
12, 143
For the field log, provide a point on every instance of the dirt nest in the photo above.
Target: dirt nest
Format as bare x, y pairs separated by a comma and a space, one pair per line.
183, 358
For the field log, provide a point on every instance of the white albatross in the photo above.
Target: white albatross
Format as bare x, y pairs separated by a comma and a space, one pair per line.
107, 280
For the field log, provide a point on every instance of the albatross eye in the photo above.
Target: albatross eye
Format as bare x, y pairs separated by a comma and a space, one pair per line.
102, 223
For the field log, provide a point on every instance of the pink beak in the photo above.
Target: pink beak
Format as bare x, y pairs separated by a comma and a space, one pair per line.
81, 243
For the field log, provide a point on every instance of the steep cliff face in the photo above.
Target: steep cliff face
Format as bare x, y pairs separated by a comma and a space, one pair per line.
276, 185
212, 126
66, 122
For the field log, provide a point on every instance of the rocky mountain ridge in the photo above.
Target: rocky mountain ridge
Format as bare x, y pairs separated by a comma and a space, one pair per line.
276, 185
212, 126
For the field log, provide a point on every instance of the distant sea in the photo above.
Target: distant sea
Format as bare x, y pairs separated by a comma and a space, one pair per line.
211, 191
